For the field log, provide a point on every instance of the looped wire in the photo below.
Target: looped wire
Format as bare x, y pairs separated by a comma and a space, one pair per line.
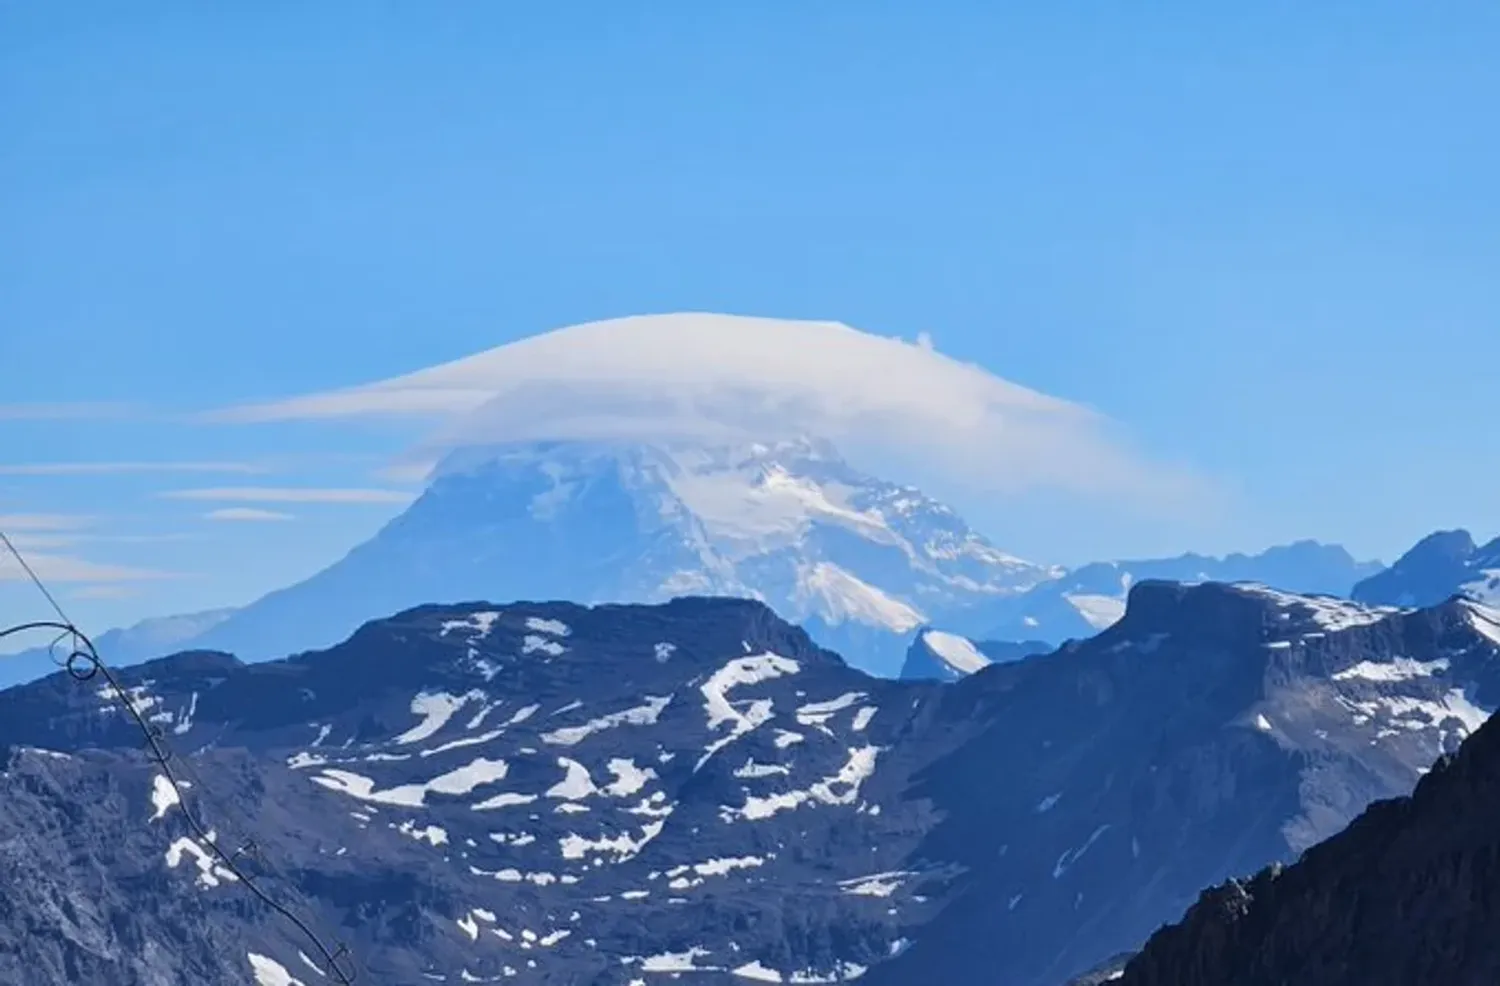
78, 660
83, 663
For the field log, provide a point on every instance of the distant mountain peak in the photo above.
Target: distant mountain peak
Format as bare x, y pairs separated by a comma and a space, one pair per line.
1456, 545
860, 561
1088, 599
141, 641
1440, 565
1094, 596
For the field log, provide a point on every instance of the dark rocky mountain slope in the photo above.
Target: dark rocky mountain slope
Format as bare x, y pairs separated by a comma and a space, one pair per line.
550, 793
1408, 893
1211, 723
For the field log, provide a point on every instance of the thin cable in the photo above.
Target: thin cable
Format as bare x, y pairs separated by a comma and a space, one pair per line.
84, 663
36, 580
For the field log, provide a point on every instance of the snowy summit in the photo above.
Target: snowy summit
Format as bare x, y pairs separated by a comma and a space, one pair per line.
643, 458
860, 562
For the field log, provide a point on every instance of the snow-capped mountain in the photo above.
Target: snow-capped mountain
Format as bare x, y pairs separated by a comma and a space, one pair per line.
1443, 564
1085, 600
860, 562
549, 793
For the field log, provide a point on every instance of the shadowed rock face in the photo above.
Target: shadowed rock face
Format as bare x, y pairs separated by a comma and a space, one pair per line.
1211, 723
1408, 893
618, 794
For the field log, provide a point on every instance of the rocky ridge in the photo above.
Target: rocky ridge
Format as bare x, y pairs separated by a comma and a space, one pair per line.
552, 793
1082, 601
1405, 894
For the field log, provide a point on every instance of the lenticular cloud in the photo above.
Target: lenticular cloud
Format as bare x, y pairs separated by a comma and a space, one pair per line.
705, 377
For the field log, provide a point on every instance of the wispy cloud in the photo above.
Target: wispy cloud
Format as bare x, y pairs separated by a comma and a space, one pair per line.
116, 468
140, 538
406, 471
42, 542
69, 411
43, 539
54, 532
105, 592
704, 377
289, 494
66, 568
11, 523
247, 515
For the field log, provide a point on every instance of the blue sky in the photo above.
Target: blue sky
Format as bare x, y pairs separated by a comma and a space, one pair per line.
1262, 239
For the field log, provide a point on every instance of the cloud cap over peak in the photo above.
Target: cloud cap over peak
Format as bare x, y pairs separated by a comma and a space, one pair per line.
690, 351
698, 376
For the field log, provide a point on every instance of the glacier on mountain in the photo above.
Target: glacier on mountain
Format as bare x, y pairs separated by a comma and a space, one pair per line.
860, 561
